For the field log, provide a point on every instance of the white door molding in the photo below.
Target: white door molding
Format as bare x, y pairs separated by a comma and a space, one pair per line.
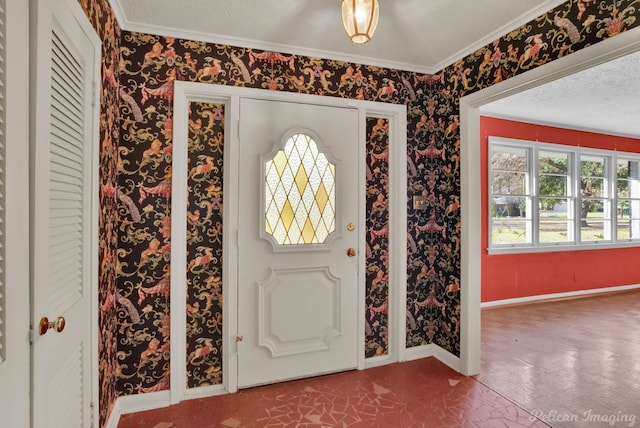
186, 92
470, 202
14, 290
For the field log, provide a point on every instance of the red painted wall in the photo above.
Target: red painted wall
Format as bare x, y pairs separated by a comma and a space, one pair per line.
508, 276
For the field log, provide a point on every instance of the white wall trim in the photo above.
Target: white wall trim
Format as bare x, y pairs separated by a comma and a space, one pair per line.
178, 267
16, 367
362, 219
398, 237
435, 351
185, 92
379, 361
114, 416
141, 402
205, 391
603, 51
566, 295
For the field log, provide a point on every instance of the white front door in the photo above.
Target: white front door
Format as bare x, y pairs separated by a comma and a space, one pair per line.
63, 216
298, 239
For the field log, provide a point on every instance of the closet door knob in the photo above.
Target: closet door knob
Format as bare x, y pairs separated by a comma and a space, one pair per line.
46, 325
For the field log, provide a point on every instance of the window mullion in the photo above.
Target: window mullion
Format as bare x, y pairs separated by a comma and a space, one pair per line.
613, 196
576, 197
534, 191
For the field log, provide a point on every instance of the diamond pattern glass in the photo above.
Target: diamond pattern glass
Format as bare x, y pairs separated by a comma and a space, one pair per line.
300, 205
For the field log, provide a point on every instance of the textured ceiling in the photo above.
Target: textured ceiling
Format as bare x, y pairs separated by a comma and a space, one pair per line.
413, 35
605, 98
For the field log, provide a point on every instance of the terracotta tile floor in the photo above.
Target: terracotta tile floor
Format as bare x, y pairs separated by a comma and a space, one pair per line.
413, 394
573, 359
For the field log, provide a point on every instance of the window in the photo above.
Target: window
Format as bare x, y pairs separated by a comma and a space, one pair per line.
300, 195
511, 195
551, 196
628, 194
595, 203
555, 203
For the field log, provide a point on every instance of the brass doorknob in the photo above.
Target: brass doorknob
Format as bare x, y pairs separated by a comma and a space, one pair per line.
57, 325
351, 252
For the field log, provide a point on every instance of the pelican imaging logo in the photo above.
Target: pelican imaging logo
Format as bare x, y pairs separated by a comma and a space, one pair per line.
587, 417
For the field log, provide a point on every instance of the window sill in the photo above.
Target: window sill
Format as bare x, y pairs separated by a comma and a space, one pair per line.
560, 247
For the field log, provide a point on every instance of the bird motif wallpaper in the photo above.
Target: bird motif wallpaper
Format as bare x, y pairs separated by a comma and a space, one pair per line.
135, 173
376, 321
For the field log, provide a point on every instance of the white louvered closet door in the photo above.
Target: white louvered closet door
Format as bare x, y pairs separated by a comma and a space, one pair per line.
63, 218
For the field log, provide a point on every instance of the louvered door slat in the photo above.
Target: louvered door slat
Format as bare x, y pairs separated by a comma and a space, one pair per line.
65, 187
63, 212
65, 162
66, 193
63, 132
68, 273
65, 393
65, 151
66, 233
62, 111
71, 273
60, 76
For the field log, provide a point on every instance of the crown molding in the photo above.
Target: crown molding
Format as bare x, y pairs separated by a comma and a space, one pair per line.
499, 32
157, 30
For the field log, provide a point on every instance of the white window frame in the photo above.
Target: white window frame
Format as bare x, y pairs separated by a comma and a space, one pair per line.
633, 200
571, 195
532, 148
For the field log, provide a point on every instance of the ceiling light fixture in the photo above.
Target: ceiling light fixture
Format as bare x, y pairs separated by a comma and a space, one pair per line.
360, 19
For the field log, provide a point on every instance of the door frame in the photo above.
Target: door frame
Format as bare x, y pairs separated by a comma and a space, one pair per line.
14, 300
229, 96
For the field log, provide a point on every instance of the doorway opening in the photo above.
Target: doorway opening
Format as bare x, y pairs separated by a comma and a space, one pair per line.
471, 173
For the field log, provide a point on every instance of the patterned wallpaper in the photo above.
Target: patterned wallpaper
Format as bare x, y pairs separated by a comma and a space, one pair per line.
149, 64
377, 238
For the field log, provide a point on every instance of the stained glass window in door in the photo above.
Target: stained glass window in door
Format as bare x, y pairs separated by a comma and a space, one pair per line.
300, 197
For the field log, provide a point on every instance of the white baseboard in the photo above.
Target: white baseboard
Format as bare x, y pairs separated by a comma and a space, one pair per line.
568, 294
378, 361
142, 402
204, 392
137, 403
155, 400
114, 416
433, 350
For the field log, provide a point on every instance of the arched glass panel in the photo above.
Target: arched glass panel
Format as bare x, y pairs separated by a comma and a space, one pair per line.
299, 190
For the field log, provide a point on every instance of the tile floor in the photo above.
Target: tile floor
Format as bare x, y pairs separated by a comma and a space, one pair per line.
573, 359
413, 394
574, 363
